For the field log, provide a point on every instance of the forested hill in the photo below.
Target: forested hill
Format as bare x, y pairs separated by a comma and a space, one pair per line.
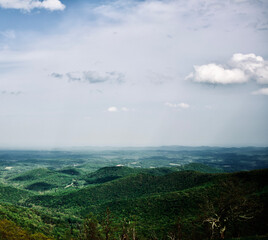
159, 203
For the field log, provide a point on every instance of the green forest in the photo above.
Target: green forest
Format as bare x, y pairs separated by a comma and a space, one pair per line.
44, 199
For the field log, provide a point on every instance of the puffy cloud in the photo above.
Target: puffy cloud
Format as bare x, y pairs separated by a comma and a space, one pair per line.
262, 91
124, 109
112, 109
52, 5
240, 69
177, 105
28, 5
254, 66
216, 74
248, 62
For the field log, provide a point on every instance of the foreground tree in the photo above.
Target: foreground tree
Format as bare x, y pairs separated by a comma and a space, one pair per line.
176, 233
91, 229
231, 211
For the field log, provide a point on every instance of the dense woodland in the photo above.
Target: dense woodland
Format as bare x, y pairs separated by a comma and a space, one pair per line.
49, 200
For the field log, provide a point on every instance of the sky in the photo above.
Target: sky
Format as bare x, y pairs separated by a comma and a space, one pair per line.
133, 73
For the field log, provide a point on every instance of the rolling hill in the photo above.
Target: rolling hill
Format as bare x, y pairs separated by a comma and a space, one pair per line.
160, 203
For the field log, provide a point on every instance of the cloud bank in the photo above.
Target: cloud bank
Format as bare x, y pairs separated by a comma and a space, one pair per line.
240, 69
28, 5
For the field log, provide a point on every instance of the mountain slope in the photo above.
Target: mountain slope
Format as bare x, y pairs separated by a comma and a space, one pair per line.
43, 179
13, 195
155, 203
129, 187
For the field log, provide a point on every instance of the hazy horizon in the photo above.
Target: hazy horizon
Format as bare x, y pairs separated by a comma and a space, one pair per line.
133, 73
107, 147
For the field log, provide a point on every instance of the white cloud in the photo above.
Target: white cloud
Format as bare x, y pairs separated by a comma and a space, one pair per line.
240, 69
177, 105
52, 5
112, 109
217, 74
116, 109
262, 91
28, 5
249, 62
254, 66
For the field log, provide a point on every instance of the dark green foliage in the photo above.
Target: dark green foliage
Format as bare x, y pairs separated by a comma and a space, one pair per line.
200, 168
12, 195
40, 186
158, 201
33, 175
107, 174
42, 179
70, 171
125, 188
91, 229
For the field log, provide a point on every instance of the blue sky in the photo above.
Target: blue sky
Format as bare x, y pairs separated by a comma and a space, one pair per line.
133, 73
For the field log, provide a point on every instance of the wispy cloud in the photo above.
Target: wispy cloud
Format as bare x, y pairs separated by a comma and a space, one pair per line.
74, 76
9, 34
92, 77
28, 5
14, 93
56, 75
95, 77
